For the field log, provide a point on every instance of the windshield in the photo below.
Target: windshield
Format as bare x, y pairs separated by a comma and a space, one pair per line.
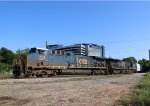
32, 50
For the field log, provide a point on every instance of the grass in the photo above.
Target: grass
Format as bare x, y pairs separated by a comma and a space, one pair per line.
5, 71
5, 75
140, 95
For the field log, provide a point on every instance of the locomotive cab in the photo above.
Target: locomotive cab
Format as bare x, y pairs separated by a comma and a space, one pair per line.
37, 57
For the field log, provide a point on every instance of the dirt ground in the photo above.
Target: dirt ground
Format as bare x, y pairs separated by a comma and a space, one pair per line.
72, 91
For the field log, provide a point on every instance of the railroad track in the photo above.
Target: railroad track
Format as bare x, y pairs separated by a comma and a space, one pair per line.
59, 78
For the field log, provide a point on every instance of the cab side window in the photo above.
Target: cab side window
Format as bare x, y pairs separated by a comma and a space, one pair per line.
41, 52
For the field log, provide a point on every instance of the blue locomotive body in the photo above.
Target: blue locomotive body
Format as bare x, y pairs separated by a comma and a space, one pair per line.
41, 62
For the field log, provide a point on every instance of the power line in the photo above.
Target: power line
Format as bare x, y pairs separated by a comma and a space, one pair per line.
118, 52
125, 41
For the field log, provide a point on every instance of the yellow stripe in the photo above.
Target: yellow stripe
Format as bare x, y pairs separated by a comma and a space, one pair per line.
66, 67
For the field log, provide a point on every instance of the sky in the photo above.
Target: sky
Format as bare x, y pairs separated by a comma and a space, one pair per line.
122, 27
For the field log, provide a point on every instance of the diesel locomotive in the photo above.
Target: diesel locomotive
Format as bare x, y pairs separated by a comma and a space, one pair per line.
40, 62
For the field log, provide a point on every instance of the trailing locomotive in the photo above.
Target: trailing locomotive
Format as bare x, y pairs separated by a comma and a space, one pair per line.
41, 62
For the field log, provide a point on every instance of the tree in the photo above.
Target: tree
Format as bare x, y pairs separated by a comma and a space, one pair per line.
20, 52
144, 62
6, 56
0, 57
24, 51
130, 59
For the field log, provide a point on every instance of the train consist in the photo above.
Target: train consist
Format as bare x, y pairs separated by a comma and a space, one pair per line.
43, 62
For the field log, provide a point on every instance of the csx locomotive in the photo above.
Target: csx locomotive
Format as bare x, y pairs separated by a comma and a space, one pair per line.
40, 62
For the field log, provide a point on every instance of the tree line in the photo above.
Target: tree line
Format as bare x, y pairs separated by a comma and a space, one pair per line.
143, 62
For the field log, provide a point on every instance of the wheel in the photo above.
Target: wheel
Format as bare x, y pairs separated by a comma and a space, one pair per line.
54, 73
59, 72
92, 72
48, 75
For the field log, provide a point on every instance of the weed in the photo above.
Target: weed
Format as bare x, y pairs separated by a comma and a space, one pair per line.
140, 95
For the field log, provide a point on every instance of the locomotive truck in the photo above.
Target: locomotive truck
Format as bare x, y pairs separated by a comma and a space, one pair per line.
40, 62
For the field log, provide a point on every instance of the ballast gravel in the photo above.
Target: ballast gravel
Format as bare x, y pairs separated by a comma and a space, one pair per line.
67, 91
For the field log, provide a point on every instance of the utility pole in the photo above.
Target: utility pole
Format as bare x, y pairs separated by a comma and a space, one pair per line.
46, 44
149, 54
